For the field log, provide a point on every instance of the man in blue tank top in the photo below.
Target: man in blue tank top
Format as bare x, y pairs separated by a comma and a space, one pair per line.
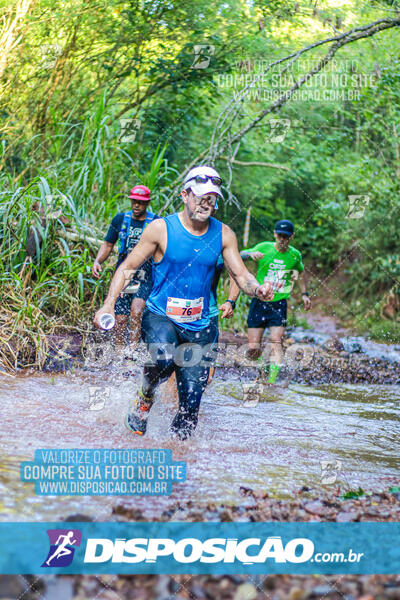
176, 322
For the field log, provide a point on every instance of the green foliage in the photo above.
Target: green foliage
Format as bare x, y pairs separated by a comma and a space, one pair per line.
378, 329
239, 320
294, 321
353, 494
74, 70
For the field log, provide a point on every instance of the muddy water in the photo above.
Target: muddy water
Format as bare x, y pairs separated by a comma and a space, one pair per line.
275, 446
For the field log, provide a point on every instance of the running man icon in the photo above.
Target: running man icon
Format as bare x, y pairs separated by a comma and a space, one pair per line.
61, 550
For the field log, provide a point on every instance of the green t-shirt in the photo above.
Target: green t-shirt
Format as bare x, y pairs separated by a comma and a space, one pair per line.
280, 268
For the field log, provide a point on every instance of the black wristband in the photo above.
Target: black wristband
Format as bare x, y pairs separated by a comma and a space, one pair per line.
233, 303
305, 294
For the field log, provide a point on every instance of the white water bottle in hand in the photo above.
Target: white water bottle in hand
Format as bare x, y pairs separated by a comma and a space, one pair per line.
107, 321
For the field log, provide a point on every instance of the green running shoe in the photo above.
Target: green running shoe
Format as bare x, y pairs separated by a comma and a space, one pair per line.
136, 421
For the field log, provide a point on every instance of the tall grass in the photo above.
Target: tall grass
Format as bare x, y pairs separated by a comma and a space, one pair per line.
45, 281
51, 226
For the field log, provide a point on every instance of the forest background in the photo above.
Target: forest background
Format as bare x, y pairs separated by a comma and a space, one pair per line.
97, 96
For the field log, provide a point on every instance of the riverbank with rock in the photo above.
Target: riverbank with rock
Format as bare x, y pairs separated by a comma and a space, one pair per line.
305, 505
313, 358
310, 356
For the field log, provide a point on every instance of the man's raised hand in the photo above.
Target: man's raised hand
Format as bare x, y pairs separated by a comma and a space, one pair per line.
96, 269
227, 310
105, 309
256, 255
265, 292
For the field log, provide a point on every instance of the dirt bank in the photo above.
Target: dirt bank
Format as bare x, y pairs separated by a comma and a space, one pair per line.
308, 362
306, 505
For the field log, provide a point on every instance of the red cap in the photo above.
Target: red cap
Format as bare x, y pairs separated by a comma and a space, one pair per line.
140, 192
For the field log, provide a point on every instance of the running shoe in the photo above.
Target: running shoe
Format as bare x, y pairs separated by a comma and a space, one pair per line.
281, 380
136, 421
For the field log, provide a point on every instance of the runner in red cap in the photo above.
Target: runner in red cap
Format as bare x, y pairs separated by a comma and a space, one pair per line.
127, 227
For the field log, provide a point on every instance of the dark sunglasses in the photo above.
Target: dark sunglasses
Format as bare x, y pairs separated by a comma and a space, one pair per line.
205, 178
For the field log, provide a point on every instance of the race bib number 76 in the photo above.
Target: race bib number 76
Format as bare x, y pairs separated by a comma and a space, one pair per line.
184, 311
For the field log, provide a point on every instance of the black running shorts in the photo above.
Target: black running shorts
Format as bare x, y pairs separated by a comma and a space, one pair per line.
267, 314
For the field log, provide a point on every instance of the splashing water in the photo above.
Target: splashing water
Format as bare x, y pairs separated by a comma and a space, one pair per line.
276, 446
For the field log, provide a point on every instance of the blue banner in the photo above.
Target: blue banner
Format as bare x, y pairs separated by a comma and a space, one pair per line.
218, 548
102, 472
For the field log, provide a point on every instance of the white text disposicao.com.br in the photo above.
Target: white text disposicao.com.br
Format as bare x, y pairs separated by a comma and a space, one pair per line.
212, 550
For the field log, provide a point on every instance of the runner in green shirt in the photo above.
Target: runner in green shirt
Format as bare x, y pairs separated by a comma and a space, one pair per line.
280, 264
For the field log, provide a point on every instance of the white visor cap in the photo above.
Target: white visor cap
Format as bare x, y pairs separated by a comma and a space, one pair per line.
201, 189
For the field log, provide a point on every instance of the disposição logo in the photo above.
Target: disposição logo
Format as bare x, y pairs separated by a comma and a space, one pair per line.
62, 547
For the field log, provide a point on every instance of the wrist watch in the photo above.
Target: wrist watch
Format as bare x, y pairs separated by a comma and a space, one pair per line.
233, 303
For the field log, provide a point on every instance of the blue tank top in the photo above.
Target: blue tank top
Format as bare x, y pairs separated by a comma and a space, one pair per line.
182, 278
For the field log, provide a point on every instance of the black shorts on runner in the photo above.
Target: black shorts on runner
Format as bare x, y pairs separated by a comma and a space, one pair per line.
187, 353
267, 314
123, 304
